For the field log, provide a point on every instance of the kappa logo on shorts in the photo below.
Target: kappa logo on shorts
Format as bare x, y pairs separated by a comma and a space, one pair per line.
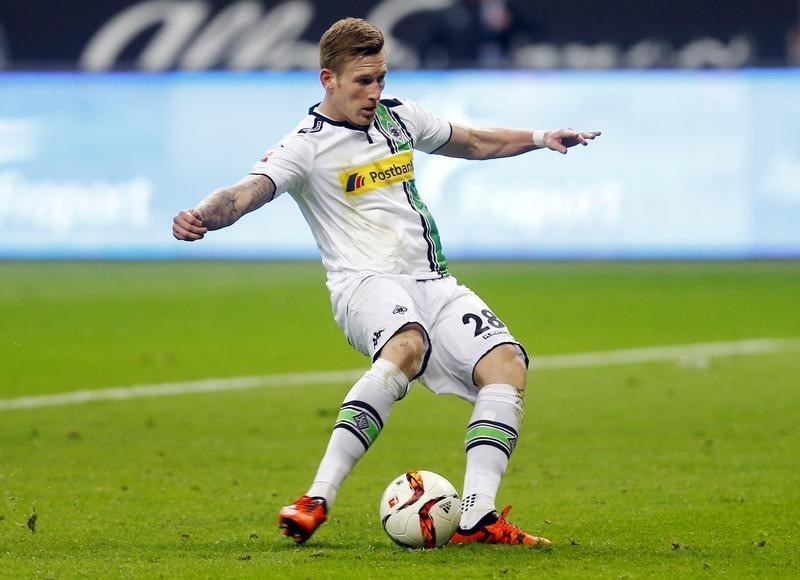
399, 310
376, 336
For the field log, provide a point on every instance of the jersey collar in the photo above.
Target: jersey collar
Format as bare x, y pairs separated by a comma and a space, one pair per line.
347, 124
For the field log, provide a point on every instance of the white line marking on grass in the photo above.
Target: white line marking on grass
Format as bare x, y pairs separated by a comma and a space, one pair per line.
182, 388
690, 353
680, 353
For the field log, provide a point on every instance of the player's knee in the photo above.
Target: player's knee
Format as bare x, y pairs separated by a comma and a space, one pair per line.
406, 349
503, 364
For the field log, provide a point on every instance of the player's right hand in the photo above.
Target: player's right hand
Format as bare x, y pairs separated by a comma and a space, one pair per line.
188, 225
562, 139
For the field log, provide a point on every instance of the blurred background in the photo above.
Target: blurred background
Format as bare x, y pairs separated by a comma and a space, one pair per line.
115, 115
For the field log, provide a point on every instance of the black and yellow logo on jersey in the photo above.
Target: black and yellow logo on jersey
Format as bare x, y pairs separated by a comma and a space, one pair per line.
360, 180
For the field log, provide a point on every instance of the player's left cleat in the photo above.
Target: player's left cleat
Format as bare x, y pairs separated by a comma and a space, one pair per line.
495, 529
300, 519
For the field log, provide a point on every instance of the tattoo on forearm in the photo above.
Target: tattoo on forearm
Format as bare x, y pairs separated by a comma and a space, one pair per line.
226, 205
219, 209
232, 205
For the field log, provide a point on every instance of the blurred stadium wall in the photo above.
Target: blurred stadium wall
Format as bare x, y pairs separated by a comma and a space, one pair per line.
699, 105
252, 34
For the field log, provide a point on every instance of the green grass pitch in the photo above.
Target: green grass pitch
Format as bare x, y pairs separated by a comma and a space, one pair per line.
651, 469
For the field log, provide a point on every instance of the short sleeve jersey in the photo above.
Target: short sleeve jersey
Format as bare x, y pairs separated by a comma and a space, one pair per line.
356, 189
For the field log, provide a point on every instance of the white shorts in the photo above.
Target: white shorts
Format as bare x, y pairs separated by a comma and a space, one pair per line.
460, 327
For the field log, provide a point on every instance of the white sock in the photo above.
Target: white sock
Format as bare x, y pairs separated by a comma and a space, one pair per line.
361, 418
491, 437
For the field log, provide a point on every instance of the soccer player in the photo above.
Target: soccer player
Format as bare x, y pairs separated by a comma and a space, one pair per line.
349, 166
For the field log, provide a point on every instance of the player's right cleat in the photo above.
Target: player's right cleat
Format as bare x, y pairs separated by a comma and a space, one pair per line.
494, 529
299, 520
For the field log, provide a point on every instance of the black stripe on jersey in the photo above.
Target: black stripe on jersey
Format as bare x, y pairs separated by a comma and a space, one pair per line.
446, 142
315, 129
389, 141
346, 124
433, 262
391, 102
397, 118
431, 253
426, 233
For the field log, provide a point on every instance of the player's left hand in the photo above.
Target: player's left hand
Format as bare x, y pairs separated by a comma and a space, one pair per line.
562, 139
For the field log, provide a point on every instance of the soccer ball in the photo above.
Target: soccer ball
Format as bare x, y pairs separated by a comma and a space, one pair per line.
420, 509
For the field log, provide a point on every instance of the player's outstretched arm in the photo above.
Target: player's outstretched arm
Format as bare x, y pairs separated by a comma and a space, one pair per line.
222, 208
471, 143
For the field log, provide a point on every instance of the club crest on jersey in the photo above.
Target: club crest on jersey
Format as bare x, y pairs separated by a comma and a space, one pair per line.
386, 171
390, 127
395, 132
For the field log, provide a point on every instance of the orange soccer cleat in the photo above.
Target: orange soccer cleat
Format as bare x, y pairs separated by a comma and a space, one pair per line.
494, 529
299, 520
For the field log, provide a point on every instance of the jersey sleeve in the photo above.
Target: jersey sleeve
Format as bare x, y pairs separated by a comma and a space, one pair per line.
287, 164
430, 132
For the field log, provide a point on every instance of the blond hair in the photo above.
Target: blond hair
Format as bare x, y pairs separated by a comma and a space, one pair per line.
348, 38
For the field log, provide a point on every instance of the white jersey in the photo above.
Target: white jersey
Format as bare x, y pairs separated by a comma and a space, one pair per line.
356, 189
